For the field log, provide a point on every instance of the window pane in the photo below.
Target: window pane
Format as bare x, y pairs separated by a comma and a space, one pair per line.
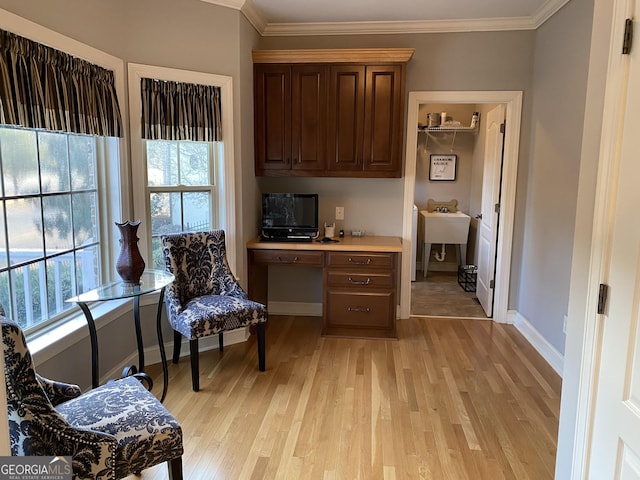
5, 299
166, 213
60, 279
54, 162
156, 252
87, 269
85, 221
162, 162
194, 163
57, 223
83, 162
197, 211
28, 291
19, 161
3, 244
24, 229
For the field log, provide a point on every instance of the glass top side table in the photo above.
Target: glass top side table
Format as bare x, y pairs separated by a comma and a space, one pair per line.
151, 281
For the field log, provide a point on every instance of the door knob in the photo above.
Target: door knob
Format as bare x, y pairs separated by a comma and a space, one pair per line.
479, 216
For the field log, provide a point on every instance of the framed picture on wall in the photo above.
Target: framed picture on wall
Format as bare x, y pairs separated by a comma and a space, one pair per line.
442, 168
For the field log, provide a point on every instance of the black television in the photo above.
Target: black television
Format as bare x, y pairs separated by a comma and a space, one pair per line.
289, 217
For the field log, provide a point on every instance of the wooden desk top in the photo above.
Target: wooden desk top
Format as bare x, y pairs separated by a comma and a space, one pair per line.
348, 243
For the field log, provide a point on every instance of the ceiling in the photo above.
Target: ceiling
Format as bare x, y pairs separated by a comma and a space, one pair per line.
351, 17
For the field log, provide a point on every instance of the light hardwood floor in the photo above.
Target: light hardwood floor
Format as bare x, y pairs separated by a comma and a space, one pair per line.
450, 399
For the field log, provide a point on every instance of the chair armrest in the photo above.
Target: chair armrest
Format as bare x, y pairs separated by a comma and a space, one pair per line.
58, 392
172, 301
93, 453
230, 286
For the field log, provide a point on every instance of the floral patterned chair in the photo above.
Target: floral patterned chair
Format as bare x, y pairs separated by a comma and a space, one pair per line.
110, 432
205, 297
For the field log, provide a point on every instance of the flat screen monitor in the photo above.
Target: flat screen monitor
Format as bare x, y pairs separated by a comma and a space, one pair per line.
289, 215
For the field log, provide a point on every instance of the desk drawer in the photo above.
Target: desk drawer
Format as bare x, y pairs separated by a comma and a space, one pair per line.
360, 259
360, 310
288, 257
362, 281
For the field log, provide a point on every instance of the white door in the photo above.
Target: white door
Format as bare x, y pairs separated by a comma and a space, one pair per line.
615, 448
488, 223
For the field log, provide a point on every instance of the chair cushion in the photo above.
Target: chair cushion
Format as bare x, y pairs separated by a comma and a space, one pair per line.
146, 432
210, 314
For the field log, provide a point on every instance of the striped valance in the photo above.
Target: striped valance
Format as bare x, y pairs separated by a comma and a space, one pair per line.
180, 111
41, 87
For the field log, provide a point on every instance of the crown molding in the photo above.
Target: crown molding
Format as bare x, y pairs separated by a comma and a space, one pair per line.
378, 28
343, 55
254, 15
547, 11
235, 4
256, 18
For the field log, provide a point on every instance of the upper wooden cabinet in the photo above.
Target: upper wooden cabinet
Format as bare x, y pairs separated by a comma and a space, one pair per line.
329, 112
290, 118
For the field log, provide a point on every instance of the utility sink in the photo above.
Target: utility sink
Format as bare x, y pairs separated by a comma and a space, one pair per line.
445, 227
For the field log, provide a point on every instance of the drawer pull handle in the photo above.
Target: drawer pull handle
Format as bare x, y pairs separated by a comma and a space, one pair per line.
359, 309
359, 282
285, 260
357, 262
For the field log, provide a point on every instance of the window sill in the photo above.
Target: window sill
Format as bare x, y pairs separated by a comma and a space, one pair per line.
46, 345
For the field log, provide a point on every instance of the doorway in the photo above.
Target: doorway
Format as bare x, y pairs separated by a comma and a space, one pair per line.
512, 102
471, 137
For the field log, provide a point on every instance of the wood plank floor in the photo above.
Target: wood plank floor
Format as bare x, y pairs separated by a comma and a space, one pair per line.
450, 399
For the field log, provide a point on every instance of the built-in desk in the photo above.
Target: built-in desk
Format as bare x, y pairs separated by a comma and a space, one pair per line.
360, 280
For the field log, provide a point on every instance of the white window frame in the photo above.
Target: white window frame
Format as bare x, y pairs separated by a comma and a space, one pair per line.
225, 154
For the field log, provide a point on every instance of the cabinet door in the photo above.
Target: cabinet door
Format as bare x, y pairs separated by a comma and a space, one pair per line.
309, 117
272, 113
383, 119
346, 118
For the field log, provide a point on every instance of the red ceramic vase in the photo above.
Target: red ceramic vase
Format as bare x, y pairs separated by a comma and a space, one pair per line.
130, 264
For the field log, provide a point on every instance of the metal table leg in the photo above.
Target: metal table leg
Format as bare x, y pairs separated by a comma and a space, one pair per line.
94, 344
136, 319
163, 356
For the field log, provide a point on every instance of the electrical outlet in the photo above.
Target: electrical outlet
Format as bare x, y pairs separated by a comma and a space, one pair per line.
339, 213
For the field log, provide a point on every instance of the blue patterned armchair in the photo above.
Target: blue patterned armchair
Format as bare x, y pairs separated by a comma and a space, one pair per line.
205, 298
110, 432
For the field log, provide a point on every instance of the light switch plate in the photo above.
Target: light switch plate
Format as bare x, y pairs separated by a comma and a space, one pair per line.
339, 213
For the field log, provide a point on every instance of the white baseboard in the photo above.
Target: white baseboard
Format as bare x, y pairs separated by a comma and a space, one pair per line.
543, 347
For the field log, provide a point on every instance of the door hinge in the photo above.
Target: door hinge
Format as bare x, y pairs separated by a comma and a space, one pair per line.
502, 128
492, 283
628, 36
603, 294
496, 208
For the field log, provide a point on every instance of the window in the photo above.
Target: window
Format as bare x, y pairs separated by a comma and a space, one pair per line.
59, 192
50, 232
181, 189
188, 185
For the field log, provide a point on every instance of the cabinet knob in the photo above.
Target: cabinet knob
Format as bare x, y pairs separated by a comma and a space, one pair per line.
360, 282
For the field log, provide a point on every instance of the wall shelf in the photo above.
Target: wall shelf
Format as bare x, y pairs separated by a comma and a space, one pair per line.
452, 128
447, 129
